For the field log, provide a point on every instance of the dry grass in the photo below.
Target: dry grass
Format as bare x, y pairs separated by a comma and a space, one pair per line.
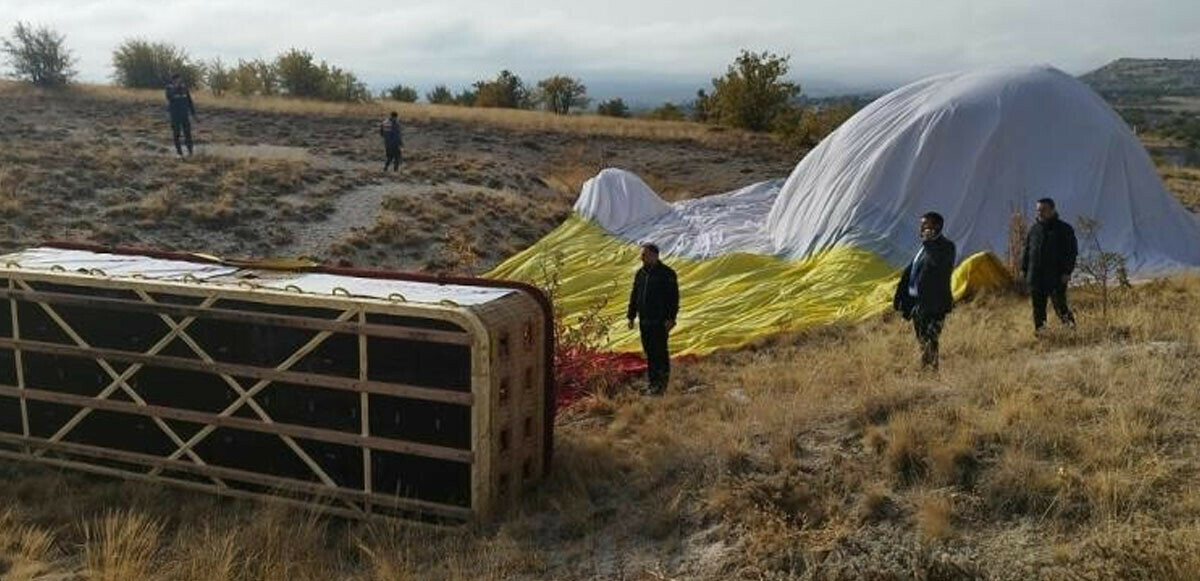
1184, 183
511, 119
12, 192
823, 455
120, 546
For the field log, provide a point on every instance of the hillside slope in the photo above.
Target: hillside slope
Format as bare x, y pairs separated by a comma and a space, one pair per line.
1131, 77
824, 455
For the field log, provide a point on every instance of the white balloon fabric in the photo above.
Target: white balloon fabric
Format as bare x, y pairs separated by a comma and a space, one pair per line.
978, 147
616, 198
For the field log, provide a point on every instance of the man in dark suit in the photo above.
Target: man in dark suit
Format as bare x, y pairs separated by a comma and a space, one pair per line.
393, 140
1047, 263
654, 302
179, 105
923, 294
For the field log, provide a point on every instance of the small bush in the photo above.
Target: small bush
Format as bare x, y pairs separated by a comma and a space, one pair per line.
402, 93
613, 108
667, 112
440, 95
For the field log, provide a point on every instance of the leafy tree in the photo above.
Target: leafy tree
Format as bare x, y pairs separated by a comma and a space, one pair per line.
560, 93
218, 78
440, 95
141, 64
506, 91
466, 98
39, 56
403, 93
752, 93
300, 75
613, 108
267, 75
342, 85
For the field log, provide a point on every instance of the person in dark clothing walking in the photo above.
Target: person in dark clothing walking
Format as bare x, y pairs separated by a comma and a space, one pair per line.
179, 104
392, 140
1047, 263
654, 302
923, 293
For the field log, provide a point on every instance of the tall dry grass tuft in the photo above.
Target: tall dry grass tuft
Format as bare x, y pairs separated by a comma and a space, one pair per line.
12, 192
158, 204
27, 548
121, 545
205, 554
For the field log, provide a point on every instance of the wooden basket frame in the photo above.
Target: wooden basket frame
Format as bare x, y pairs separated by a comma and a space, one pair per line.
484, 457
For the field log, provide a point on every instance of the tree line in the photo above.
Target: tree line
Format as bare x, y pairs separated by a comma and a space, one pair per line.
753, 94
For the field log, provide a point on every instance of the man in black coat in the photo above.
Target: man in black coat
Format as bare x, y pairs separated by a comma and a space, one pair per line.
179, 104
1047, 263
923, 293
654, 302
389, 130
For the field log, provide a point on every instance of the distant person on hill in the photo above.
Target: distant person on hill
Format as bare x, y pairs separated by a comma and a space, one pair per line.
654, 303
392, 140
179, 103
923, 294
1047, 263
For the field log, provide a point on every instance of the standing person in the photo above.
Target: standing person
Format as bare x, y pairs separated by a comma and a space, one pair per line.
923, 294
179, 103
654, 302
392, 140
1047, 263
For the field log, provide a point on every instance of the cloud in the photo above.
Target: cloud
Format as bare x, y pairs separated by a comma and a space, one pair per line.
876, 43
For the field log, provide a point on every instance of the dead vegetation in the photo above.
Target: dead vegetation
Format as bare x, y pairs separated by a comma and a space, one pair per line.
823, 455
276, 177
1184, 182
509, 119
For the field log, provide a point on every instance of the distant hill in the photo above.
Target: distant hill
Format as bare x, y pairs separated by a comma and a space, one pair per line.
1134, 78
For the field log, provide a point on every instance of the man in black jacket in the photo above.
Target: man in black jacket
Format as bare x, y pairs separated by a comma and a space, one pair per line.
923, 293
654, 301
389, 130
1047, 263
179, 104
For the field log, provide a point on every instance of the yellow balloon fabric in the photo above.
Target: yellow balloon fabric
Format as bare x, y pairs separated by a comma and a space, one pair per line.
728, 300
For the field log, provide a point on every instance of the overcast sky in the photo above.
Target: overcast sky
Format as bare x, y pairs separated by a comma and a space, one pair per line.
650, 47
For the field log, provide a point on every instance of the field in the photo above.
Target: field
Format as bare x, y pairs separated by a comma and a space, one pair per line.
821, 455
274, 177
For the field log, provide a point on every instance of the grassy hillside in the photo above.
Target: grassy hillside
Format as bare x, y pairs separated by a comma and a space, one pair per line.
284, 177
1146, 78
824, 455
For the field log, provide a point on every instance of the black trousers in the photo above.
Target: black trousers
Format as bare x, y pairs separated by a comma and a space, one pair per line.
393, 158
658, 360
183, 126
928, 329
1058, 296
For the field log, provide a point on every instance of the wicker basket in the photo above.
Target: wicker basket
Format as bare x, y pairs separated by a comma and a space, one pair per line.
328, 388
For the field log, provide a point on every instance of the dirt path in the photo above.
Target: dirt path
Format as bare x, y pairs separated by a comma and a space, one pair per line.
353, 210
